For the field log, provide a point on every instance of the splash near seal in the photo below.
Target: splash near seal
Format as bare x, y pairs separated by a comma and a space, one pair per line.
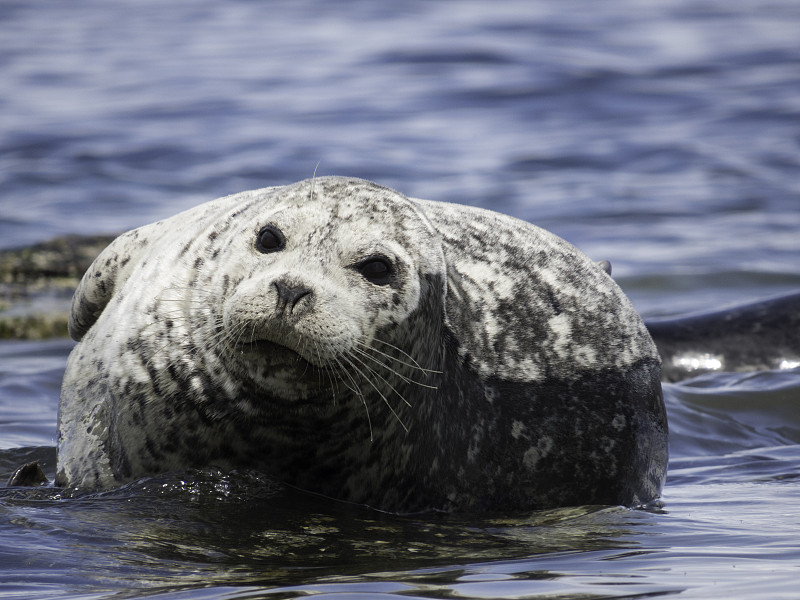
347, 340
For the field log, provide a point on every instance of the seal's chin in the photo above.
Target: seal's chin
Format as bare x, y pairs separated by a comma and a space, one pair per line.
277, 372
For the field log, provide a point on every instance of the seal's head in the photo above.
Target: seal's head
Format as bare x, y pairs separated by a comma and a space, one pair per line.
327, 276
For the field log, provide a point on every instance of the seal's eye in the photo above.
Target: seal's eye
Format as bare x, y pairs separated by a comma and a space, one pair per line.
270, 239
376, 269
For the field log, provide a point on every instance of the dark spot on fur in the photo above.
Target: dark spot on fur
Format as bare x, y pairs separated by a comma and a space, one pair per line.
553, 301
171, 443
173, 371
152, 448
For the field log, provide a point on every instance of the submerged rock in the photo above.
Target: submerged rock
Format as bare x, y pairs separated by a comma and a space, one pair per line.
28, 475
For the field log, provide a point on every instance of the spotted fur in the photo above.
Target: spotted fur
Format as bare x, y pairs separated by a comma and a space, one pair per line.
495, 368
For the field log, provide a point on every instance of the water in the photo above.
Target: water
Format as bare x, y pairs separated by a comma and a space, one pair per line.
663, 136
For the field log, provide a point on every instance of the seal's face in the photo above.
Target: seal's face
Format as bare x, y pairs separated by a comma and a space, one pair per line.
325, 274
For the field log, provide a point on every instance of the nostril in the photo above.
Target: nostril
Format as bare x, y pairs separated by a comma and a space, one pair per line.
290, 294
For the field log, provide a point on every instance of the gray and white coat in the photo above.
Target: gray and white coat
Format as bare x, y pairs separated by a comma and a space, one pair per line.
345, 339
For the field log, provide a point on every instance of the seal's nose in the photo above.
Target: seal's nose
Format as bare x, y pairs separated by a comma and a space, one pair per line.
289, 295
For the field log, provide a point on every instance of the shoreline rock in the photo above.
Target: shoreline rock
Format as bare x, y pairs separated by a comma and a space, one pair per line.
37, 282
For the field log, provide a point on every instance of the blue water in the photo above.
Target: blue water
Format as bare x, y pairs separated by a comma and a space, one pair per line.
663, 136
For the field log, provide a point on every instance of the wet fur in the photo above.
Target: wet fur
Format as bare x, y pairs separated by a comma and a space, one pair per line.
500, 369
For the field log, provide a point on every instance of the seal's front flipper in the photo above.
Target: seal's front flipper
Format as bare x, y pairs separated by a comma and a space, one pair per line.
105, 275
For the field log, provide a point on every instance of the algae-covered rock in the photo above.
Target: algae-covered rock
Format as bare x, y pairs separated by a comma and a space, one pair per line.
37, 282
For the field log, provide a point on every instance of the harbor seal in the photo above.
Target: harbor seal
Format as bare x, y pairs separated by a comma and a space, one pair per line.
404, 354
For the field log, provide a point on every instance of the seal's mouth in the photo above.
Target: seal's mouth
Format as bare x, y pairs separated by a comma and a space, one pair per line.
274, 353
268, 347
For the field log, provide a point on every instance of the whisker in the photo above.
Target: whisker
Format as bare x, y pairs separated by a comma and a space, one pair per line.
380, 393
413, 364
356, 390
391, 370
225, 335
381, 377
323, 371
313, 183
301, 356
